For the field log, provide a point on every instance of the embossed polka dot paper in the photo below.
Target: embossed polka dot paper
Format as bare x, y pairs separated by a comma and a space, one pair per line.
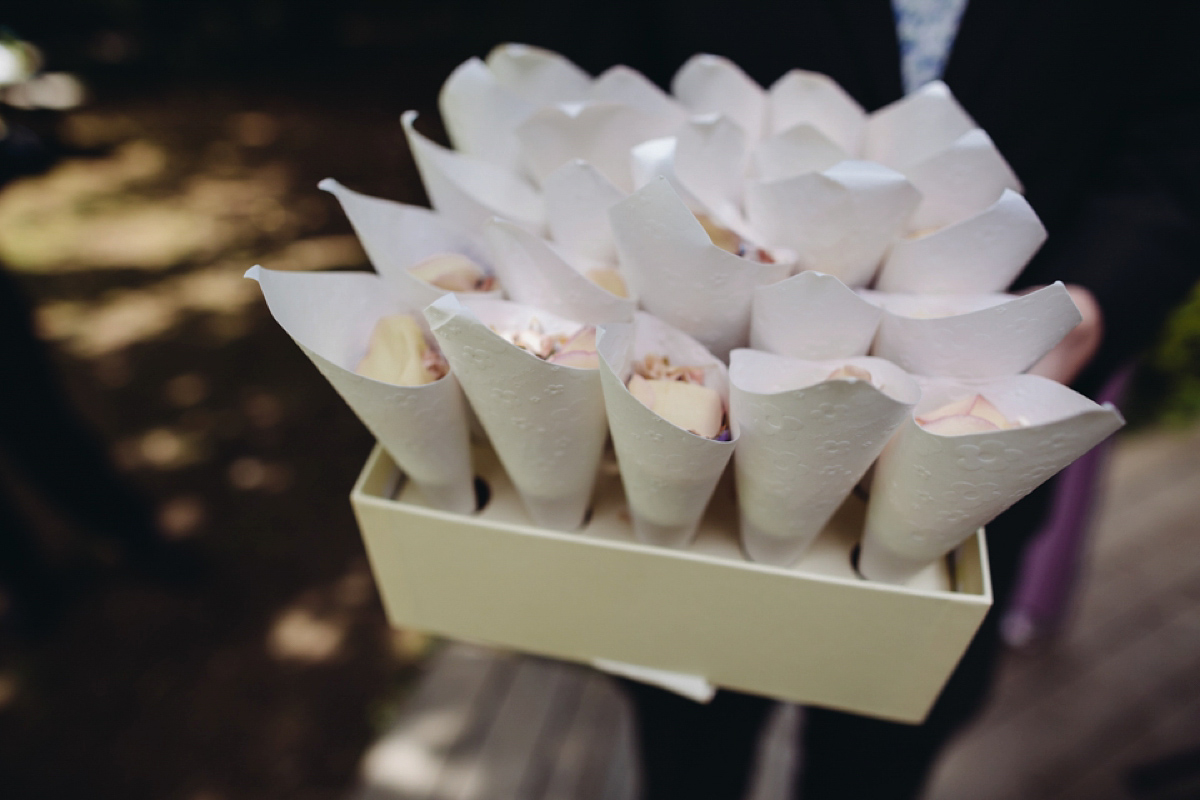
714, 217
545, 420
932, 491
424, 428
669, 474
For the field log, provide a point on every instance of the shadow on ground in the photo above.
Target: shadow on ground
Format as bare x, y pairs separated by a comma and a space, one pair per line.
267, 677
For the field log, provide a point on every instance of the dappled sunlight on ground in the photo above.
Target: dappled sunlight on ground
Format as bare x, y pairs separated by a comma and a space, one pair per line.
266, 677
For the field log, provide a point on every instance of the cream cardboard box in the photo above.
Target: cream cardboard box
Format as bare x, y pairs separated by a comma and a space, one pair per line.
814, 633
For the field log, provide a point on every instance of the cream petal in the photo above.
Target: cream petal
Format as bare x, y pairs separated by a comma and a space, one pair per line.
578, 198
973, 336
398, 236
709, 84
959, 181
679, 275
812, 316
840, 221
540, 76
981, 254
795, 151
915, 127
534, 275
810, 98
481, 116
468, 190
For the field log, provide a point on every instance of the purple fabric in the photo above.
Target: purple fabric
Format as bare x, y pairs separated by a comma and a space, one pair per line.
1051, 562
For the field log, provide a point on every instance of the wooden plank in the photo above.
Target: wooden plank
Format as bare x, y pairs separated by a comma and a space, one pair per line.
408, 761
461, 759
509, 748
776, 763
590, 742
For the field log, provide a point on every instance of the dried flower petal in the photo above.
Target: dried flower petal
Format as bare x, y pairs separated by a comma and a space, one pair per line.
400, 354
966, 415
453, 272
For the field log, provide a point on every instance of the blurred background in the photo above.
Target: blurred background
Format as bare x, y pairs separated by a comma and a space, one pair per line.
156, 151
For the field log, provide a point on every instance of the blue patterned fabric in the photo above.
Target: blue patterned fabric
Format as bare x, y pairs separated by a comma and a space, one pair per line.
926, 30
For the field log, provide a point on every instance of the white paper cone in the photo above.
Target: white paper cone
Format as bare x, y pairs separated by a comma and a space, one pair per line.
631, 88
397, 237
708, 84
840, 221
915, 127
600, 133
812, 316
931, 492
981, 254
541, 76
545, 421
805, 441
810, 98
468, 190
578, 198
331, 316
710, 162
705, 163
481, 116
796, 151
668, 473
534, 275
973, 336
679, 275
960, 181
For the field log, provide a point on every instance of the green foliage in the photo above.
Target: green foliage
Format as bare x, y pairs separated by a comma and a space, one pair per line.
1168, 390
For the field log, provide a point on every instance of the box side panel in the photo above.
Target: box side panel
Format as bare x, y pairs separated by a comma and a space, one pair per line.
854, 646
385, 545
866, 650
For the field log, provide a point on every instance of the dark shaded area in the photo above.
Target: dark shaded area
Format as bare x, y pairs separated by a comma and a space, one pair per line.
266, 676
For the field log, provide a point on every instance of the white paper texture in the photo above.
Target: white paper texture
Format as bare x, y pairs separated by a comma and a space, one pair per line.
693, 687
481, 116
978, 336
840, 221
679, 275
626, 86
708, 84
915, 127
930, 492
796, 151
397, 237
545, 421
331, 316
669, 474
710, 162
959, 181
805, 441
603, 134
468, 190
541, 76
810, 98
984, 253
813, 316
534, 275
578, 198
